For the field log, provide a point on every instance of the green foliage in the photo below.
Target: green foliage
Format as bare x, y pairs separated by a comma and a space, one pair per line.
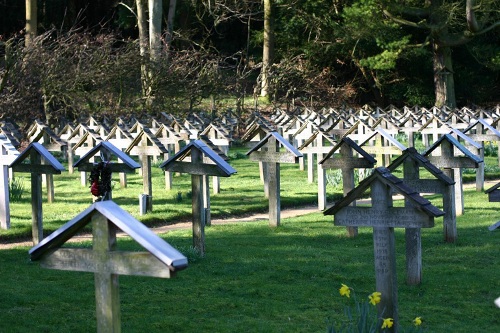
16, 189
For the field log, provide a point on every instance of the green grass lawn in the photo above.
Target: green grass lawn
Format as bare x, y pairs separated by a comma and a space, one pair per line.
254, 278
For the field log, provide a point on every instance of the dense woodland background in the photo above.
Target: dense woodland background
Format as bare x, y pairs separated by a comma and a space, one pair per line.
88, 56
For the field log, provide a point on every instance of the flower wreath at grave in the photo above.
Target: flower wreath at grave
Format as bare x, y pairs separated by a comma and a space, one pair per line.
100, 179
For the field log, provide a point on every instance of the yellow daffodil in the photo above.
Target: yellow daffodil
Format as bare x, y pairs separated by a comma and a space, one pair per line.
375, 297
345, 291
417, 321
388, 322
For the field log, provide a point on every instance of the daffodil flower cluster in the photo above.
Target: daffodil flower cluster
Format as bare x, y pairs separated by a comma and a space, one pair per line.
366, 319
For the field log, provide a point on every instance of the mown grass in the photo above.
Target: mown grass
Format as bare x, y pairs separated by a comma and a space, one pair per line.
254, 278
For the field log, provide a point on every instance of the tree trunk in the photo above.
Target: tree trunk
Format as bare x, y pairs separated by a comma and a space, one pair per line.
143, 42
170, 24
444, 83
155, 16
31, 21
268, 48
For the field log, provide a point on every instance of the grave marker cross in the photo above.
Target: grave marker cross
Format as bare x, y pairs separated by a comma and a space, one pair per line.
161, 260
383, 218
40, 162
271, 155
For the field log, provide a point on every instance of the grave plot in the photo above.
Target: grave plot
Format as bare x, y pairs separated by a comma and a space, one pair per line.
36, 160
193, 159
383, 218
450, 155
344, 156
268, 152
411, 162
105, 260
8, 153
112, 160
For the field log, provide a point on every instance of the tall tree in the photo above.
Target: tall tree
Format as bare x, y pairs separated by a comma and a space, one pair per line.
268, 48
448, 25
31, 21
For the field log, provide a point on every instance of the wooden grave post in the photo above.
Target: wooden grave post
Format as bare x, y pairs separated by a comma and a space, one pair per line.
494, 196
316, 144
347, 162
411, 161
255, 133
172, 141
121, 139
87, 142
491, 134
116, 160
215, 179
8, 154
104, 260
52, 142
270, 153
192, 159
452, 165
383, 218
36, 153
145, 145
381, 149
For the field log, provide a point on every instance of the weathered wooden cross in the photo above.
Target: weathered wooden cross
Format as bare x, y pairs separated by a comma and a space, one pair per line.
145, 145
104, 259
37, 160
412, 161
8, 154
383, 218
107, 152
342, 157
192, 159
452, 165
271, 155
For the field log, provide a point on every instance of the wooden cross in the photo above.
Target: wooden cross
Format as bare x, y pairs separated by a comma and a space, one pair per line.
383, 218
36, 154
452, 166
104, 260
145, 145
346, 162
7, 155
271, 155
411, 161
197, 154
